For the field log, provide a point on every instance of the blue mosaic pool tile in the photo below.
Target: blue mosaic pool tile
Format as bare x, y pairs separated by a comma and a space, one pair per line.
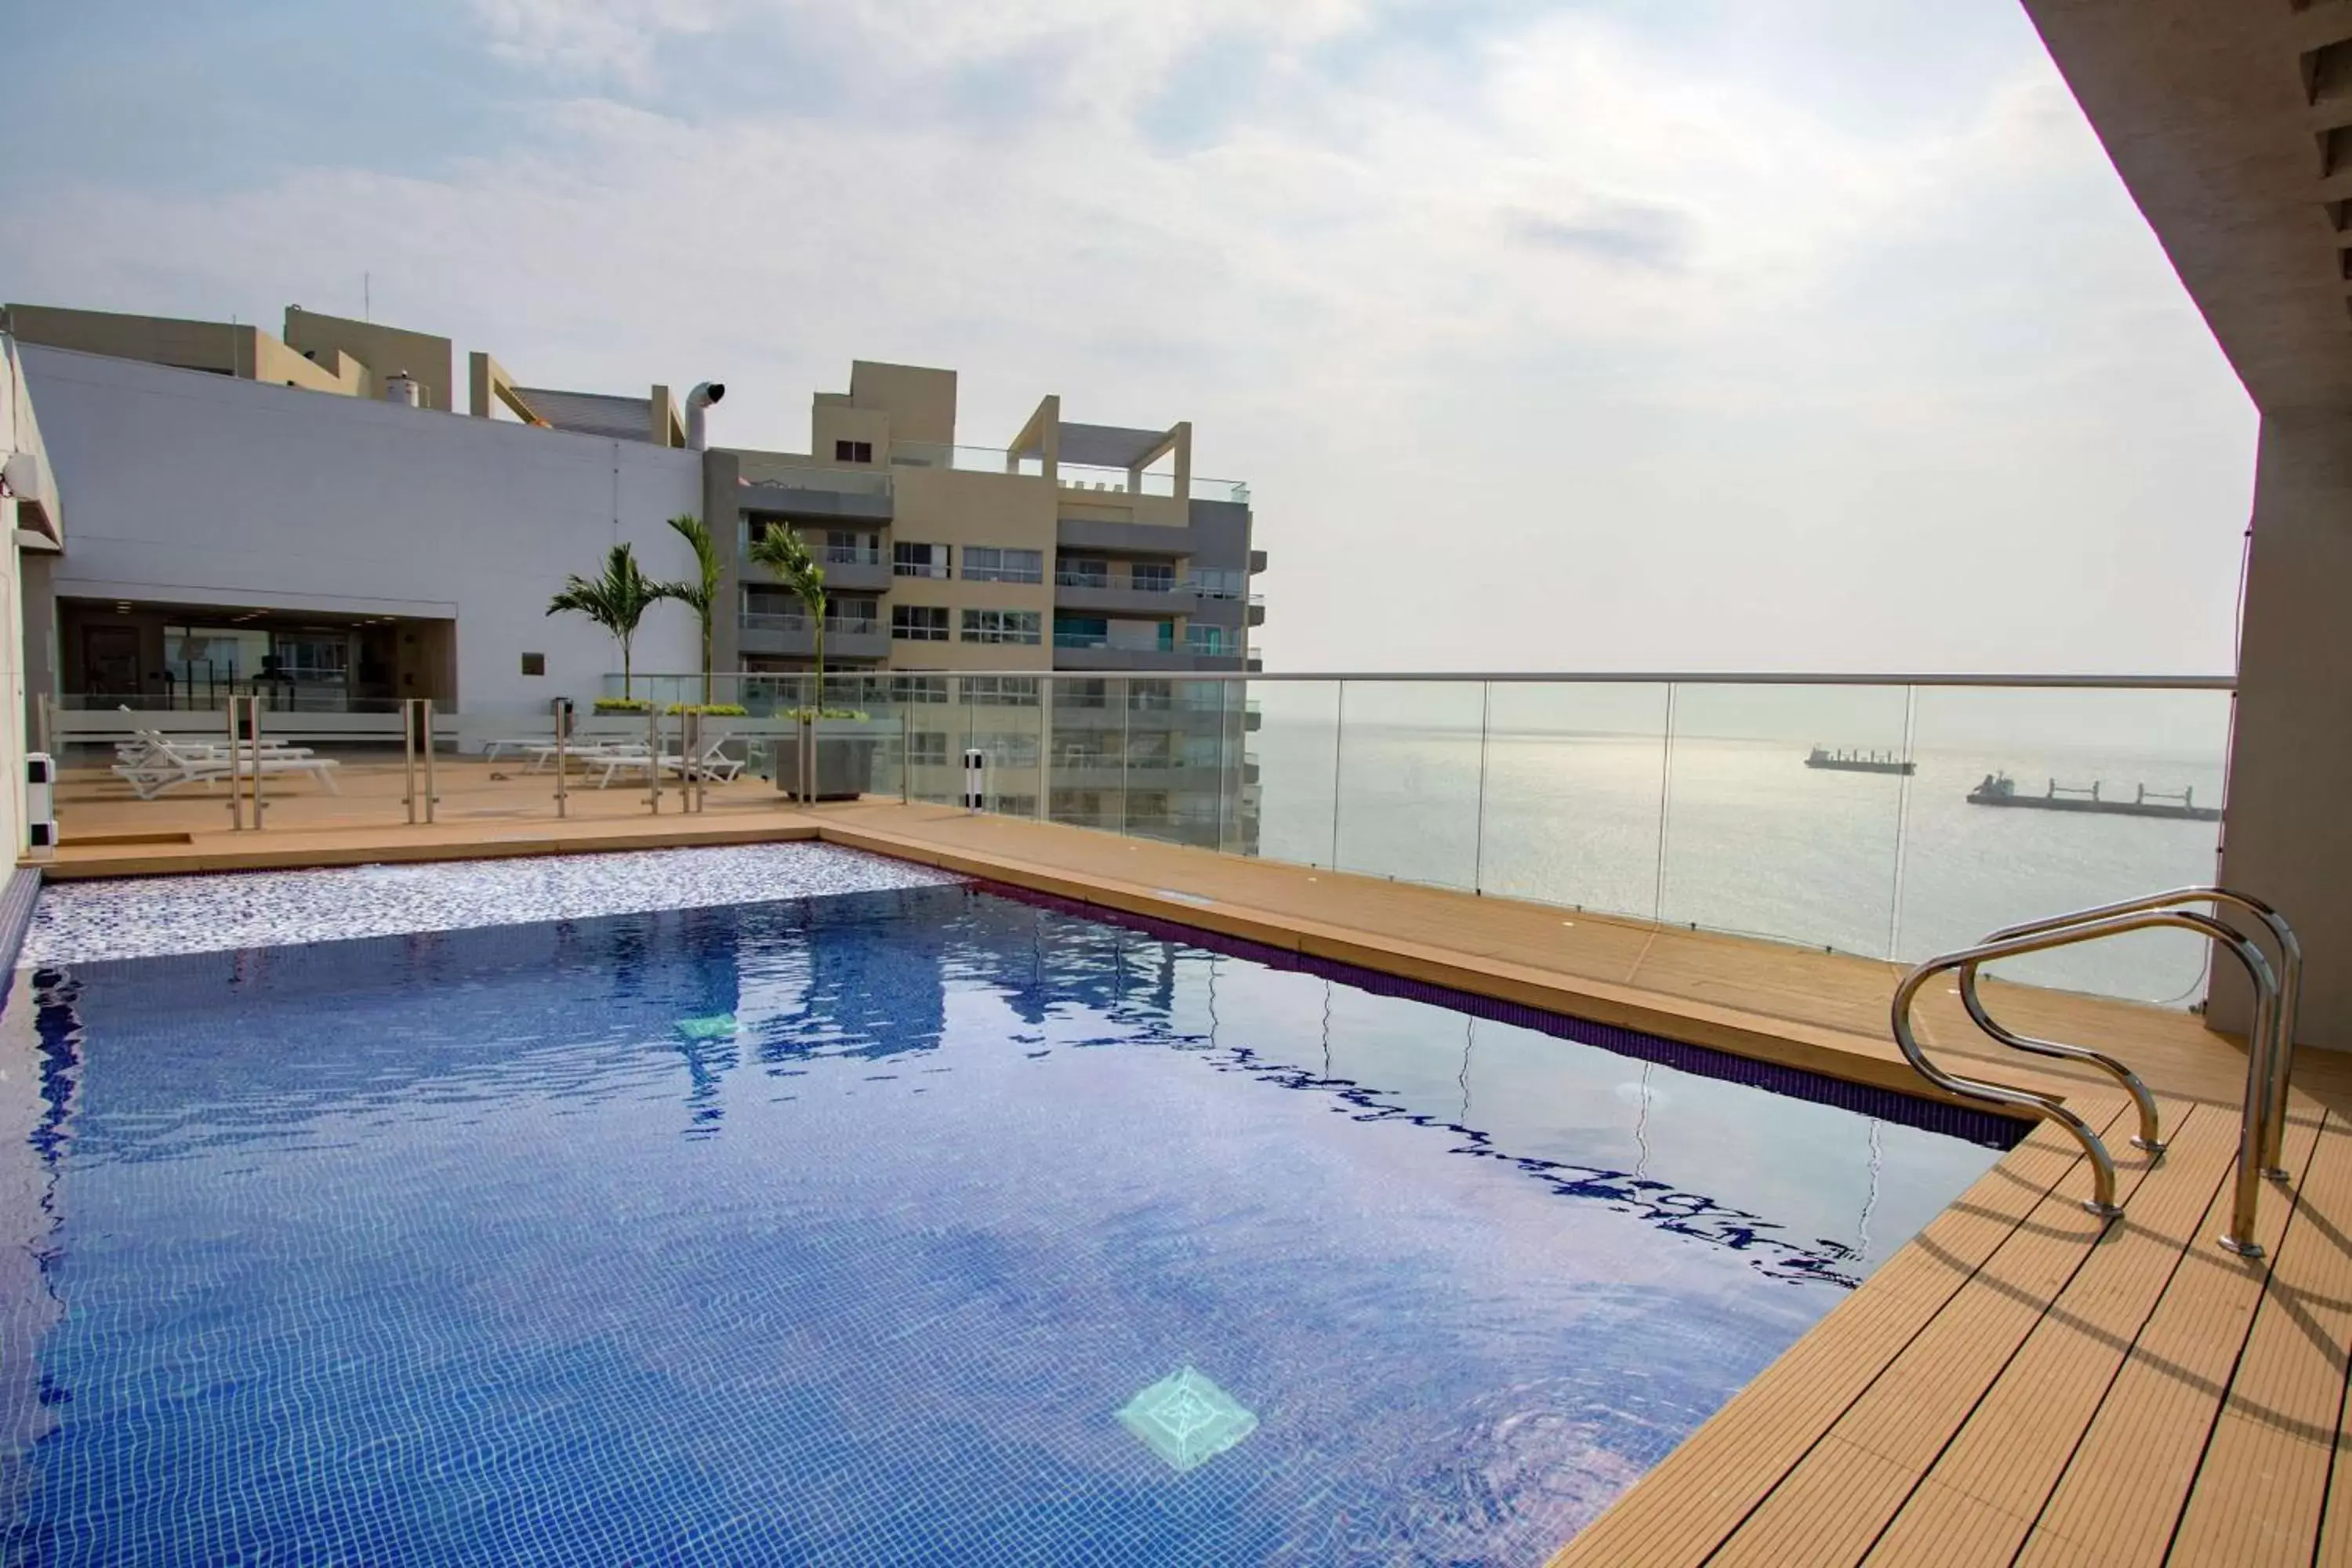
454, 1248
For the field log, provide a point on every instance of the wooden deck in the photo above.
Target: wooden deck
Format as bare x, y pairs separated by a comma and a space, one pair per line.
2015, 1385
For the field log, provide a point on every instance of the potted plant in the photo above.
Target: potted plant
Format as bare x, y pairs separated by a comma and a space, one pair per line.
616, 601
701, 594
844, 768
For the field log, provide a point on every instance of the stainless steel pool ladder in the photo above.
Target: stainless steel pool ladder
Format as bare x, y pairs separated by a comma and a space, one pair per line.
2269, 1048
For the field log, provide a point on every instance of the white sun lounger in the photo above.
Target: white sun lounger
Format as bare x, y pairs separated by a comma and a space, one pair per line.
711, 762
171, 766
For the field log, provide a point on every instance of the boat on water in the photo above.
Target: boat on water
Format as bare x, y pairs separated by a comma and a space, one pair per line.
1852, 762
1999, 789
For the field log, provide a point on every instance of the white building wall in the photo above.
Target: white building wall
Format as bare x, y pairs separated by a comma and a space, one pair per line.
195, 489
19, 432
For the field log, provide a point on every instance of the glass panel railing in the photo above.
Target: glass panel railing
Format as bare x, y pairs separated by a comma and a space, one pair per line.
1089, 751
1783, 812
2034, 802
1576, 775
1409, 765
1292, 743
1872, 818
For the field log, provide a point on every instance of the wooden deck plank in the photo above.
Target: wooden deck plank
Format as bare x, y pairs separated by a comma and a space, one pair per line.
1698, 1495
2258, 1495
1998, 1471
1908, 1413
2122, 1492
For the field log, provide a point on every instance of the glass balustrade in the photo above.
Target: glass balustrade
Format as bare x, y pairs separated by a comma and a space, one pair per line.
1877, 818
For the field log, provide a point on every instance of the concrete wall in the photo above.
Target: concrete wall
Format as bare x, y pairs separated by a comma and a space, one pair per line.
197, 490
17, 433
946, 505
222, 348
920, 401
386, 351
2287, 834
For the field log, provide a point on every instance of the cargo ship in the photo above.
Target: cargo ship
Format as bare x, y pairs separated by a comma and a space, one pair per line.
1999, 789
1860, 761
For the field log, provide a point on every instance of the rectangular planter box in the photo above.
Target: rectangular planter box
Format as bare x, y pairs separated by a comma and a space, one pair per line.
845, 765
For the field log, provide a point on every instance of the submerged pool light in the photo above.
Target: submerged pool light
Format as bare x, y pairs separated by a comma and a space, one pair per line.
1187, 1420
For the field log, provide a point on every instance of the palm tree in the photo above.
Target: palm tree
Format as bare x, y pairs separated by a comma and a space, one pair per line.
784, 552
702, 596
616, 601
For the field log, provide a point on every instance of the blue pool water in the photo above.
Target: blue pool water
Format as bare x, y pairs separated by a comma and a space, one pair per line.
843, 1231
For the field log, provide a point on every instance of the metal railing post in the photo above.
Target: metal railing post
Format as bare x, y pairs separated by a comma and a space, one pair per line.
408, 757
562, 769
1339, 739
236, 770
1045, 811
425, 737
1478, 833
907, 753
253, 761
653, 758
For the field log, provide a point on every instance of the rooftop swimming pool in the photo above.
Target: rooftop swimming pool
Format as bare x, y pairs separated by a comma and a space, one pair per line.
924, 1224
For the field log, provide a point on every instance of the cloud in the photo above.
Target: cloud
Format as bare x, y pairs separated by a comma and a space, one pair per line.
1535, 287
1630, 234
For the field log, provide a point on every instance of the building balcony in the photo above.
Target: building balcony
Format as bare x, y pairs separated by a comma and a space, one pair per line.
1095, 536
854, 569
1079, 650
1090, 592
789, 637
859, 495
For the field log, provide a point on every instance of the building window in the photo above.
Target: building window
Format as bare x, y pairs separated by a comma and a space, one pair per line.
986, 563
774, 604
846, 547
918, 623
1081, 631
919, 688
853, 451
918, 559
1001, 690
1217, 582
534, 664
1008, 748
861, 616
1152, 579
1001, 626
1079, 572
928, 749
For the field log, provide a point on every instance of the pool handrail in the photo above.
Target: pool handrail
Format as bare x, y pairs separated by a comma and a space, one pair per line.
2280, 1045
2246, 1194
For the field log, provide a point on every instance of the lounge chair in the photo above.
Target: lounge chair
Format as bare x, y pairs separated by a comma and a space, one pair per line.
711, 762
168, 766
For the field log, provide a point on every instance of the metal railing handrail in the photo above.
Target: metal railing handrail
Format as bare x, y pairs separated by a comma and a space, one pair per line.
1647, 678
2279, 1047
2247, 1191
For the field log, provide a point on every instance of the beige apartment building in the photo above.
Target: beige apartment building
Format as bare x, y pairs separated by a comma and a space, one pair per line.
1074, 547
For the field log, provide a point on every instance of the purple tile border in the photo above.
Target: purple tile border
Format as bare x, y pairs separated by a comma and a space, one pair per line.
1982, 1127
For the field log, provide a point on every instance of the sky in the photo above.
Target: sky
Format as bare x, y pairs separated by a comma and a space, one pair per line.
1598, 334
